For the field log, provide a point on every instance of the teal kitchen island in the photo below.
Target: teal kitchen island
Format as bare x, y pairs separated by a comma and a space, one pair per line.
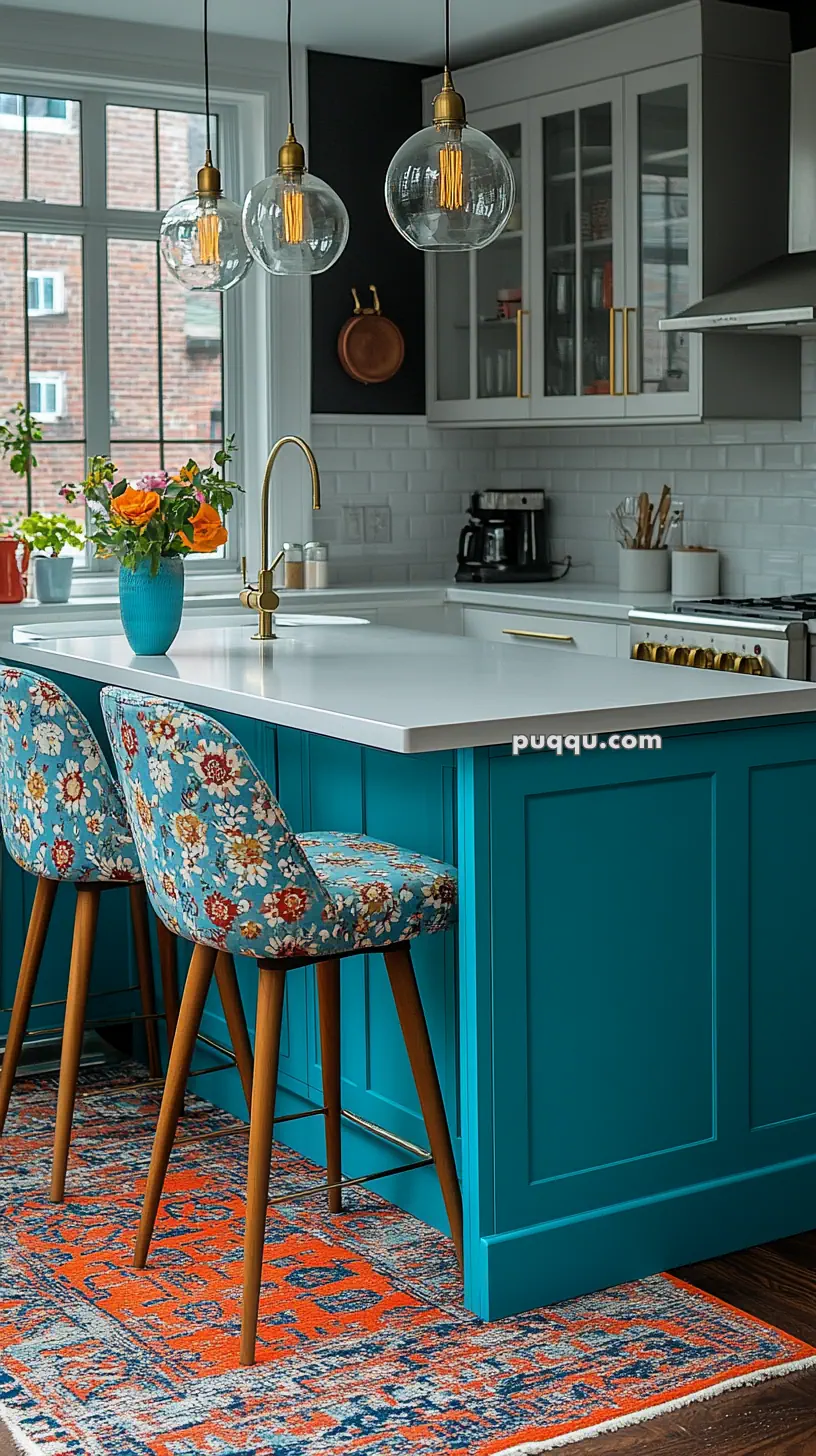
624, 1023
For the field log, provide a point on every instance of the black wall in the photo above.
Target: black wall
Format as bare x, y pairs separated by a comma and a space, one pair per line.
360, 112
802, 17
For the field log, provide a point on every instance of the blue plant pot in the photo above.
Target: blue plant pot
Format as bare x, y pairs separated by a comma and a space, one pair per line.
151, 606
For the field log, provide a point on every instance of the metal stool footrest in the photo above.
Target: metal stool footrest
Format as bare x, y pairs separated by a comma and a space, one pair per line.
422, 1156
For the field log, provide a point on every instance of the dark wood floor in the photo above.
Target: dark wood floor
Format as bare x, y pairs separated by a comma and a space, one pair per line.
777, 1283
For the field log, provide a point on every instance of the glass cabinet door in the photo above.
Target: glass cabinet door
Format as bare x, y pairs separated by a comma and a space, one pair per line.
478, 317
499, 293
582, 235
660, 368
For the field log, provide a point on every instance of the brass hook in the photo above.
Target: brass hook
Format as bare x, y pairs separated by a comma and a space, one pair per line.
373, 290
358, 307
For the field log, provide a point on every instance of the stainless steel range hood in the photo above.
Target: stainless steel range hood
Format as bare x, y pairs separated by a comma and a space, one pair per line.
778, 298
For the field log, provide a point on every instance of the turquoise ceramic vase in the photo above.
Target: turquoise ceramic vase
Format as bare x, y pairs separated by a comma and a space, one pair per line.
150, 606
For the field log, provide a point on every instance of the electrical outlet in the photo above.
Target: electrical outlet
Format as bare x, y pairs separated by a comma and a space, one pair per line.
354, 525
377, 525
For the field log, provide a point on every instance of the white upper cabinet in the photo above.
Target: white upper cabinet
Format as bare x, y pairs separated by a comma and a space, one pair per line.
648, 160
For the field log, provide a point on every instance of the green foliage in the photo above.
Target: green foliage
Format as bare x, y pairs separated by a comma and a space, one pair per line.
50, 532
17, 437
169, 504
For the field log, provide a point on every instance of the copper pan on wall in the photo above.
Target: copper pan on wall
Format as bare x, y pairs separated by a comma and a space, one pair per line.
370, 346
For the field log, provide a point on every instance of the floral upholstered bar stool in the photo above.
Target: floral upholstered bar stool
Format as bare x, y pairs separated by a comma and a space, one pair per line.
64, 819
224, 869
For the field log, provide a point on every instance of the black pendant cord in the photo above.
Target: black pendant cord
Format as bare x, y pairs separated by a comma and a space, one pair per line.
207, 71
289, 62
447, 35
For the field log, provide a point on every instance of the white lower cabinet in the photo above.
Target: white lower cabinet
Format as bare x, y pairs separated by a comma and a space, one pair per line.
532, 629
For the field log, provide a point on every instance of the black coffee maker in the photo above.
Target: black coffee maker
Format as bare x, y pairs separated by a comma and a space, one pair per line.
505, 538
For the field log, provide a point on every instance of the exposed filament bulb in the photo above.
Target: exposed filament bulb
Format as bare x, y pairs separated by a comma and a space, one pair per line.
293, 215
451, 177
207, 229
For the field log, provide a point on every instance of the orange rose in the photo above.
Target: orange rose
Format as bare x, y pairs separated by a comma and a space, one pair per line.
137, 507
208, 532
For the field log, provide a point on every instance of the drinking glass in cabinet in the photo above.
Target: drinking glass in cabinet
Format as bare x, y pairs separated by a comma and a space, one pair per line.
499, 300
664, 238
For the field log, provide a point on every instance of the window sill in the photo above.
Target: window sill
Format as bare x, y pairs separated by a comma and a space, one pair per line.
210, 585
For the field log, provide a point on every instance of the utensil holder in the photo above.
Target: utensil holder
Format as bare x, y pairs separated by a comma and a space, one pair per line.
644, 570
695, 573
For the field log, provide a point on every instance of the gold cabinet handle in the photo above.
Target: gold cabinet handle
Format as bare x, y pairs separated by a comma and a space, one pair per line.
626, 376
544, 636
522, 314
613, 348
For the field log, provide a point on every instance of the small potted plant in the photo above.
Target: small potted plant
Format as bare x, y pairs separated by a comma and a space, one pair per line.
50, 533
149, 525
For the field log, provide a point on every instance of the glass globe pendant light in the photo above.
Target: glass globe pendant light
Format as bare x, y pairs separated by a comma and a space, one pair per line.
449, 188
293, 222
201, 238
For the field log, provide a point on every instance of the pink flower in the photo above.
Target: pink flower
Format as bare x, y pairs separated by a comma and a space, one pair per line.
154, 480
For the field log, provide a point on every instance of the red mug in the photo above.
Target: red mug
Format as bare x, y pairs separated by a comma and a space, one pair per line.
13, 567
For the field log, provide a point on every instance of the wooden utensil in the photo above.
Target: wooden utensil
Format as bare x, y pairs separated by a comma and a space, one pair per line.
644, 510
370, 346
662, 516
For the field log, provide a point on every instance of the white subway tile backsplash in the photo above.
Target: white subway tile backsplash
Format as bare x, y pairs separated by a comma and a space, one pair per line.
753, 484
782, 457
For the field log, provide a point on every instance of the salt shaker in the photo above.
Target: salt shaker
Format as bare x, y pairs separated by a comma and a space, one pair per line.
316, 565
293, 564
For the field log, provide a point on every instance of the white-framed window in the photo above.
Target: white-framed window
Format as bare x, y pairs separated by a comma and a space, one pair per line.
46, 397
98, 338
46, 293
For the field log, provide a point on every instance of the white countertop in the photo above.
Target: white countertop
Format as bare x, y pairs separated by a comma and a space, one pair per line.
415, 691
562, 598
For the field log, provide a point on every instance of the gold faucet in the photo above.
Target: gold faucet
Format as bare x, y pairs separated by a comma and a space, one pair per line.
263, 598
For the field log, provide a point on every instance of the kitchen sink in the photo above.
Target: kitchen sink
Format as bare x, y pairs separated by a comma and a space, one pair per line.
315, 619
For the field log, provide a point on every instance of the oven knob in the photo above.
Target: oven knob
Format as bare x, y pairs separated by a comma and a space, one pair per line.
725, 661
700, 657
644, 651
751, 665
660, 653
679, 656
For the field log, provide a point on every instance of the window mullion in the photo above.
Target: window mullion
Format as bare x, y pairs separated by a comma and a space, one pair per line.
95, 282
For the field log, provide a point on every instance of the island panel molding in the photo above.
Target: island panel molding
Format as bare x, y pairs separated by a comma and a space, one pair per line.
782, 990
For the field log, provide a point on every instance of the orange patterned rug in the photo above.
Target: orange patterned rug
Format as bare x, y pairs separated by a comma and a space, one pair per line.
364, 1345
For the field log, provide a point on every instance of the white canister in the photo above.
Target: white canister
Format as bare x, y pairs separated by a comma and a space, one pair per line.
644, 570
695, 572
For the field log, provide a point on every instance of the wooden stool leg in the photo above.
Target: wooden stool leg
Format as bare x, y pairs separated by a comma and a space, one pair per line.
87, 912
168, 969
144, 967
271, 987
328, 994
196, 987
24, 994
420, 1054
230, 993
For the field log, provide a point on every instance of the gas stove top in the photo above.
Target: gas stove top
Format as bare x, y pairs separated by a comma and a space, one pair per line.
800, 607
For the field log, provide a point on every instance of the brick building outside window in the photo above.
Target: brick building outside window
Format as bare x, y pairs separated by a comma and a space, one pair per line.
96, 336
